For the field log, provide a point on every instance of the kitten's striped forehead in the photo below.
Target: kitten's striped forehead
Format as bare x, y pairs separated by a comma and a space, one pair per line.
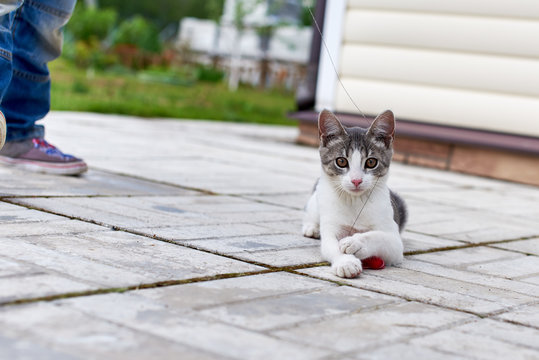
355, 139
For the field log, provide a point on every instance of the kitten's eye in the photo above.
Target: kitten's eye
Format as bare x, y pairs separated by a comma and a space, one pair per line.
371, 163
341, 162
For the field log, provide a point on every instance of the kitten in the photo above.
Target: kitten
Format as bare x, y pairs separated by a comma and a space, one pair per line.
355, 164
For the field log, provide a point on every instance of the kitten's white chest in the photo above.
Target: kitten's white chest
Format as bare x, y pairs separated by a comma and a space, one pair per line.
355, 214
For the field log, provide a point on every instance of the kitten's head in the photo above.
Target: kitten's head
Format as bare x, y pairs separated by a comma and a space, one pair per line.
354, 158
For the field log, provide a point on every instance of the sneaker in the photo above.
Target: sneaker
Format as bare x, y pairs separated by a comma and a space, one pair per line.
37, 155
3, 130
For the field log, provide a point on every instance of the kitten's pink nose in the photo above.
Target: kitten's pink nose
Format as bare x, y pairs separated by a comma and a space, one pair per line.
357, 182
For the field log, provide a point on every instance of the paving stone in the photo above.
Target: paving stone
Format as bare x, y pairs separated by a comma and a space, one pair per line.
511, 268
261, 218
202, 204
446, 293
291, 165
503, 298
100, 259
456, 179
480, 346
227, 245
94, 182
191, 297
194, 232
75, 334
289, 227
530, 246
503, 331
526, 315
500, 201
291, 310
201, 295
293, 200
10, 267
165, 212
280, 139
476, 278
409, 352
156, 260
420, 242
435, 220
104, 211
373, 328
54, 225
474, 226
6, 208
404, 184
72, 265
421, 212
16, 348
145, 222
285, 257
461, 258
14, 214
34, 285
530, 279
227, 179
496, 233
192, 330
255, 183
236, 152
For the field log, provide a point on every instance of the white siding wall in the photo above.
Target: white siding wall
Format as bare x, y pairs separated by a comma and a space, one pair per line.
470, 63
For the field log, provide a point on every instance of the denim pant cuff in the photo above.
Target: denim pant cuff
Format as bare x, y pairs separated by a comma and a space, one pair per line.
38, 131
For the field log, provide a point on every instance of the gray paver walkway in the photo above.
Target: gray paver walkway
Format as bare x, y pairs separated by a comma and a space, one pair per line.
183, 242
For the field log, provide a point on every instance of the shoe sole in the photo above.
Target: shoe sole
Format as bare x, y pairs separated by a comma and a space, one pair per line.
73, 168
3, 130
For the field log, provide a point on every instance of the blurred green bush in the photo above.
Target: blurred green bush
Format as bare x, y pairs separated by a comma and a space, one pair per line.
209, 74
87, 34
90, 54
96, 39
90, 24
139, 33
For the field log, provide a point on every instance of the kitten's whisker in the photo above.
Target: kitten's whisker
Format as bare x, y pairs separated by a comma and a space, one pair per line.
339, 188
341, 191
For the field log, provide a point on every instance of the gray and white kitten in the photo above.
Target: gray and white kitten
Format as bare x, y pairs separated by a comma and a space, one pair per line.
355, 164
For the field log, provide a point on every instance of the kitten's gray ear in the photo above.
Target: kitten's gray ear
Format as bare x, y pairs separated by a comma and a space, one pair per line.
329, 126
383, 128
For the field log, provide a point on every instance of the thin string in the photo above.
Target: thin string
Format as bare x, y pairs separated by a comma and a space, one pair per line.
333, 63
353, 102
363, 207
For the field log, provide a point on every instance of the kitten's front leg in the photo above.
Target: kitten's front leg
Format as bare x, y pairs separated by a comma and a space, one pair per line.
311, 219
384, 244
343, 265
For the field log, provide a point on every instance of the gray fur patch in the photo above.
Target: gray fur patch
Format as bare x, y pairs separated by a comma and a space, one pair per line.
400, 213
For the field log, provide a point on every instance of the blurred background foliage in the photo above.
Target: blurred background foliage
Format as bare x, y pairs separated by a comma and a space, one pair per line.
121, 57
164, 12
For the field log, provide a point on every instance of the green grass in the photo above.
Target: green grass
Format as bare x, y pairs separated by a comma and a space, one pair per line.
126, 93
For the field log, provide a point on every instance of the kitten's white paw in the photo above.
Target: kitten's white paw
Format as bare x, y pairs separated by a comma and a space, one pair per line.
311, 230
347, 266
355, 245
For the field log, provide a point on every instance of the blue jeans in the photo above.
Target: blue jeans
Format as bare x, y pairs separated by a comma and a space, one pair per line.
30, 37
